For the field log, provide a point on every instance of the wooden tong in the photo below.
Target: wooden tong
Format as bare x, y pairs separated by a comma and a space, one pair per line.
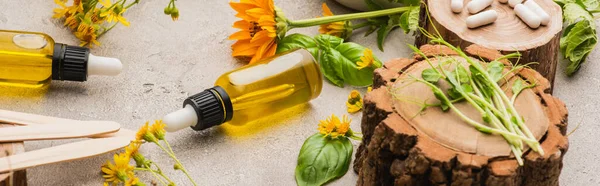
106, 136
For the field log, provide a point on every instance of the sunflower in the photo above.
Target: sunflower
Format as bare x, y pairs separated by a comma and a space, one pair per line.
334, 128
355, 102
118, 172
113, 12
342, 29
257, 38
366, 60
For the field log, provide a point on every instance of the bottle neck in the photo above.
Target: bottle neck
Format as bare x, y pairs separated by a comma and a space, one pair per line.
69, 63
213, 107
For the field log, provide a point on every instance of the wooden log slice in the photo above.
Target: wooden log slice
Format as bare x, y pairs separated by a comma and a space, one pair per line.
401, 147
16, 178
507, 34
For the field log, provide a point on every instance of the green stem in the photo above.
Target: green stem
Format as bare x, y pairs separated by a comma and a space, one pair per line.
178, 162
134, 2
153, 173
360, 25
345, 17
108, 29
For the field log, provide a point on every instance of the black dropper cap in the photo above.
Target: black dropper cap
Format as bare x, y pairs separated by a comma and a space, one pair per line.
69, 63
213, 107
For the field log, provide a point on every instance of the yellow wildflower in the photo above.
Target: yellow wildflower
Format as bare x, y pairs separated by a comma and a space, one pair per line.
133, 148
132, 181
118, 172
333, 127
366, 60
369, 89
175, 14
341, 29
87, 39
257, 38
355, 102
158, 129
67, 11
141, 132
113, 12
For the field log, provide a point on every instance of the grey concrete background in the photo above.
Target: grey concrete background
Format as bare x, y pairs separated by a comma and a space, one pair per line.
167, 61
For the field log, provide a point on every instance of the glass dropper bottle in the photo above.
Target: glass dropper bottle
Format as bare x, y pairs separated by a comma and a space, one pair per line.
252, 92
32, 60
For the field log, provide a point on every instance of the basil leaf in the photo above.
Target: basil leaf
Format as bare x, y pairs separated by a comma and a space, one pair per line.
409, 21
344, 57
322, 159
328, 41
431, 75
295, 41
328, 69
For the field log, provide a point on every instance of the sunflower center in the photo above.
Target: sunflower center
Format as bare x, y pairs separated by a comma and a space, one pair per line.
255, 28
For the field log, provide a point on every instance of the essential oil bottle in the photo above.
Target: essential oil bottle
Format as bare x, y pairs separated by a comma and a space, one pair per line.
32, 60
251, 92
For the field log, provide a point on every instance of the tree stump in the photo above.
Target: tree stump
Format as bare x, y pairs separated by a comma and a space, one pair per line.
508, 34
402, 147
17, 178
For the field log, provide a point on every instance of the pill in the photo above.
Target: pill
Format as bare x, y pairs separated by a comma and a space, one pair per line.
528, 16
503, 1
478, 5
532, 5
456, 6
482, 18
514, 3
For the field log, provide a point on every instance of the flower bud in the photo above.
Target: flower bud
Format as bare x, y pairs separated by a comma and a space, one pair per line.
177, 166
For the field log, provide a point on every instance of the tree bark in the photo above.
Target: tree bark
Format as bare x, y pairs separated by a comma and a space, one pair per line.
16, 178
507, 34
395, 151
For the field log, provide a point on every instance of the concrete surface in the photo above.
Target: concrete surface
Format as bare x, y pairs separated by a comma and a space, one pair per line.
166, 61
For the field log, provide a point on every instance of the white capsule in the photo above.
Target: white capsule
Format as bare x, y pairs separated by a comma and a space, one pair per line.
478, 5
503, 1
483, 18
514, 3
456, 6
532, 5
528, 16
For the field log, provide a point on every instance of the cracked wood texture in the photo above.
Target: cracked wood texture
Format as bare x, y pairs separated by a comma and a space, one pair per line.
17, 178
397, 151
507, 34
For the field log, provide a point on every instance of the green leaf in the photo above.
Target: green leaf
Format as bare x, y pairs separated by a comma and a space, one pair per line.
589, 4
467, 88
573, 12
328, 41
405, 2
463, 76
454, 94
431, 75
517, 86
579, 36
328, 69
372, 5
385, 29
409, 21
323, 159
344, 57
495, 69
295, 41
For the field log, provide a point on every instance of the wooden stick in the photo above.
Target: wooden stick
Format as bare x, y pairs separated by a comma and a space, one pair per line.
57, 131
67, 152
20, 118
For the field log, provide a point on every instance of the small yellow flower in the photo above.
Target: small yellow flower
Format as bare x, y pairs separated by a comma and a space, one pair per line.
341, 29
366, 60
333, 127
355, 102
133, 148
67, 11
132, 181
113, 12
87, 39
175, 14
158, 129
141, 132
118, 172
369, 89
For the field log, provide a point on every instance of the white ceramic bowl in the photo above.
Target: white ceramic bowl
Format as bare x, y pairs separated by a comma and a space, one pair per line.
362, 6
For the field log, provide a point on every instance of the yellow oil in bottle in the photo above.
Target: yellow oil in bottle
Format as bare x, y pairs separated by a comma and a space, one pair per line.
248, 94
25, 59
271, 86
